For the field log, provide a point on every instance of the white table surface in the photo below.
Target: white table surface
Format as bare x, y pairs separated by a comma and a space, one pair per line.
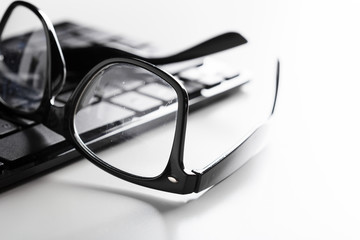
303, 185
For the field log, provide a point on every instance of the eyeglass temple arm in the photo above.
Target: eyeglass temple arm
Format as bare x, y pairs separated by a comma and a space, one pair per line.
235, 158
80, 60
216, 44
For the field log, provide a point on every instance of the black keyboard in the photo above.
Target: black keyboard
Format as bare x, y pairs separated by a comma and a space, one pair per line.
28, 148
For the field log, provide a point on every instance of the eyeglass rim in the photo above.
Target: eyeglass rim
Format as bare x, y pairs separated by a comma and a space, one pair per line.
173, 178
56, 67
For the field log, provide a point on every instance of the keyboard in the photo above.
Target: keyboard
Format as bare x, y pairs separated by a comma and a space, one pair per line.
28, 148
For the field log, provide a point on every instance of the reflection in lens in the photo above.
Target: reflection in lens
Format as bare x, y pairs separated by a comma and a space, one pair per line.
23, 59
126, 115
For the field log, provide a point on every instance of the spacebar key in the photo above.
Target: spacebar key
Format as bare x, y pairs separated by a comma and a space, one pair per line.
16, 147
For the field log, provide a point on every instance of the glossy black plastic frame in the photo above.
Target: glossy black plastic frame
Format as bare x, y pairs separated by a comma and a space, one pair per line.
55, 63
175, 178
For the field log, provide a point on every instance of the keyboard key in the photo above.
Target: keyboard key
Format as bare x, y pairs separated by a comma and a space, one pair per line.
136, 101
109, 91
15, 147
120, 42
159, 91
193, 88
100, 114
6, 127
209, 74
200, 74
91, 35
18, 121
73, 42
130, 85
66, 28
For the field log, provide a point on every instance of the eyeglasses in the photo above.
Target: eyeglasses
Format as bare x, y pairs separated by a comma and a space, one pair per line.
32, 73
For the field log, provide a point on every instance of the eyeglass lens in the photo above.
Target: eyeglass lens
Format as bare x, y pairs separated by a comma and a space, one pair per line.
23, 60
117, 105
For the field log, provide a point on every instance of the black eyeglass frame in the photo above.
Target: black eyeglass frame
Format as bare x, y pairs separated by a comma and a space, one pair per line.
55, 63
175, 178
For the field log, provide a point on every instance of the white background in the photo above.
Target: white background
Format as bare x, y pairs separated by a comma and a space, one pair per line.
304, 185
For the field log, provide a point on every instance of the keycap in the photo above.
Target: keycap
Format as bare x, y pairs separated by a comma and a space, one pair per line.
109, 91
6, 127
91, 35
193, 88
100, 114
15, 147
17, 121
130, 85
136, 101
66, 28
159, 91
73, 42
202, 76
210, 73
